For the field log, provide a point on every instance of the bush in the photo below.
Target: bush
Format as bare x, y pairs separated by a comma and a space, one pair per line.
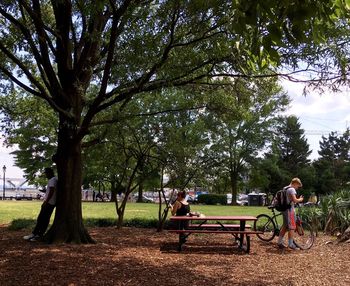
212, 199
332, 215
134, 222
141, 222
29, 224
18, 224
99, 222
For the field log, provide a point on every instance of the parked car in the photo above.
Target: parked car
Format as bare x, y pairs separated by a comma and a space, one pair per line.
242, 199
192, 200
20, 197
145, 199
242, 203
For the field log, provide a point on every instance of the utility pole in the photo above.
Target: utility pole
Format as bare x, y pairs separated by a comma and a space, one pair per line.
3, 189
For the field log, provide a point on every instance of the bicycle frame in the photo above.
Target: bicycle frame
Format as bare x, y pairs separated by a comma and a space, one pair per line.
268, 225
274, 218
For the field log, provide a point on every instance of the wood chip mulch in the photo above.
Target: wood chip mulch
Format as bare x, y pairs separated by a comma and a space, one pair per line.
134, 256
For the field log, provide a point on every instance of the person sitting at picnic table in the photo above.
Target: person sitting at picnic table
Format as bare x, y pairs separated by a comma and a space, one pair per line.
181, 207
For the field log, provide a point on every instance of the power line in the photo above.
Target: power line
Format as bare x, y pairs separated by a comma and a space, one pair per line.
322, 132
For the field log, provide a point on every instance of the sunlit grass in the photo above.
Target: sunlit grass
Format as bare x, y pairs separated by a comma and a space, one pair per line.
28, 210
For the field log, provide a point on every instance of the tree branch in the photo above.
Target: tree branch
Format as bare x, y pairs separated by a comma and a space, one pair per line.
19, 83
115, 120
50, 74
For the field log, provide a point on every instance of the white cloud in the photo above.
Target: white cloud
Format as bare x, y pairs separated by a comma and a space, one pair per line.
319, 114
7, 159
317, 104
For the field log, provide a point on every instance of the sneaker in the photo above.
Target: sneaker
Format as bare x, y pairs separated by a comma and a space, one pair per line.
35, 238
280, 245
29, 236
293, 246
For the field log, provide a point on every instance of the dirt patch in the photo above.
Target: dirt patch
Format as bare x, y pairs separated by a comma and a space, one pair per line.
134, 256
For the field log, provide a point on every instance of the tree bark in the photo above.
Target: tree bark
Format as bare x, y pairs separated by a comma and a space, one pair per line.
233, 181
68, 222
113, 192
140, 193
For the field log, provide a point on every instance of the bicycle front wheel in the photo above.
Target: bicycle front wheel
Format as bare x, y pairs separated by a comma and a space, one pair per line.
304, 236
265, 224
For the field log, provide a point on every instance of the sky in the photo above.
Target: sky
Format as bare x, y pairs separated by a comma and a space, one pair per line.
318, 115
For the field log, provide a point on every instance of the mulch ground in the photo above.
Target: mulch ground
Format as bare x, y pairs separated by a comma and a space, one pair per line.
133, 256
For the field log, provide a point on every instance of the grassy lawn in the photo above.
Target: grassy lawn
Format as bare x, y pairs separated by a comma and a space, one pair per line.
12, 210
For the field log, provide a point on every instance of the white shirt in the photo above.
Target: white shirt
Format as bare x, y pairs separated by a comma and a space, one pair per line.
290, 192
52, 183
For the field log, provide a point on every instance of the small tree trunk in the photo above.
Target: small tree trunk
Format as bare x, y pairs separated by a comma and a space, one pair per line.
120, 210
233, 181
113, 192
162, 215
140, 193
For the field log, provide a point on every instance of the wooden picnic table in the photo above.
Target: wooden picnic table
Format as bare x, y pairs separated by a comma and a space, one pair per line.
187, 225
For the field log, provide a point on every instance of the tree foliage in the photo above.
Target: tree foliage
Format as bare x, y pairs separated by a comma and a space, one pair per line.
333, 166
240, 125
288, 156
31, 126
84, 57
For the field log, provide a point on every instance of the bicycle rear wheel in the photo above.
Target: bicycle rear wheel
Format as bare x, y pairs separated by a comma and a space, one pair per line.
304, 236
265, 224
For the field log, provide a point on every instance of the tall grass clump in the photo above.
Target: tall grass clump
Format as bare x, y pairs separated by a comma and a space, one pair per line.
332, 215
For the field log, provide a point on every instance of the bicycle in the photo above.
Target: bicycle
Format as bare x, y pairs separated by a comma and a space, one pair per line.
304, 236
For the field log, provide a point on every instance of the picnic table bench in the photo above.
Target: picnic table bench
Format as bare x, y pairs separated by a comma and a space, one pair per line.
187, 225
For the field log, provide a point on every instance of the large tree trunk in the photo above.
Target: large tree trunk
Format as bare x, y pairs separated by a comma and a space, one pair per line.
68, 223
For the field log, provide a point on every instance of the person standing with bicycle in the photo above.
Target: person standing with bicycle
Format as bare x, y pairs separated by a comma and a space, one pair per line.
289, 218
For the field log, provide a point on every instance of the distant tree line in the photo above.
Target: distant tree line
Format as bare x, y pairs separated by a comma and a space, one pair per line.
224, 140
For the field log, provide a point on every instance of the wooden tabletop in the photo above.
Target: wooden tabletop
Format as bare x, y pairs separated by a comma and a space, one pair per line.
245, 218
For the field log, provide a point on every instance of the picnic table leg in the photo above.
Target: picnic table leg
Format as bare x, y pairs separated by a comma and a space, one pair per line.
179, 248
241, 236
247, 243
244, 239
182, 237
182, 240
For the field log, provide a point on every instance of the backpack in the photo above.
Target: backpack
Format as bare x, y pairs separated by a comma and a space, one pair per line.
280, 201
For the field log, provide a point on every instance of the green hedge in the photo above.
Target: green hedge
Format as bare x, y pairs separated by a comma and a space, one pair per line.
18, 224
212, 199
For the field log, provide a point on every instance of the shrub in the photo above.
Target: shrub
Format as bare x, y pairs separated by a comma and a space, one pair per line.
99, 222
18, 224
212, 199
141, 222
134, 222
333, 213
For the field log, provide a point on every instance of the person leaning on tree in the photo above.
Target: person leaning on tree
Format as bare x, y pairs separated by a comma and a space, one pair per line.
289, 219
47, 207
